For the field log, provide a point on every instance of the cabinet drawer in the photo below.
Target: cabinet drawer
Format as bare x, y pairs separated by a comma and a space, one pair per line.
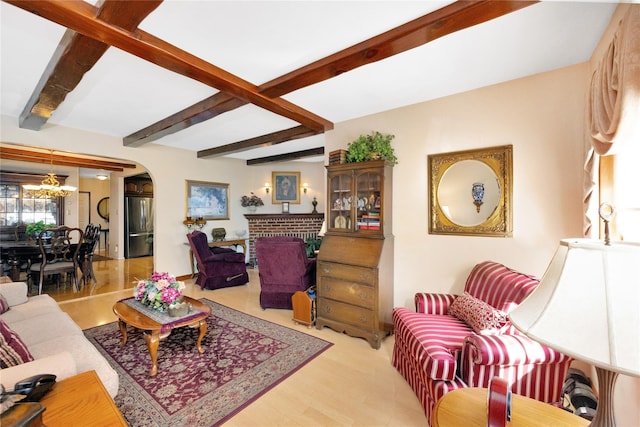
347, 272
346, 313
349, 292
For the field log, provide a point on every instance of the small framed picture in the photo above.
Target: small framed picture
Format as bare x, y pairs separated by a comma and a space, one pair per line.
285, 207
286, 187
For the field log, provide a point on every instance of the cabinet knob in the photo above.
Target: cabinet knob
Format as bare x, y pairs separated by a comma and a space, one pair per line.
326, 309
326, 270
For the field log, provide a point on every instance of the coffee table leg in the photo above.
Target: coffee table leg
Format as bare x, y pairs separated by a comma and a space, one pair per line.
153, 340
203, 331
123, 330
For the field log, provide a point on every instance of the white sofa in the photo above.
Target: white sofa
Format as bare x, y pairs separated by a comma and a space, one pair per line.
54, 340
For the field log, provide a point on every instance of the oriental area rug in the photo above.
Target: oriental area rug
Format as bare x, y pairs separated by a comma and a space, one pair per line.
244, 358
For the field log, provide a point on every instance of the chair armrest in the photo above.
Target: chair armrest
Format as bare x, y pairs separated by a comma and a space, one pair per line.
429, 303
509, 350
14, 292
62, 365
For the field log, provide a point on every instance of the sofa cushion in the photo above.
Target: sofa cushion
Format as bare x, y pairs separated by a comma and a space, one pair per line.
12, 350
46, 327
4, 304
37, 306
476, 313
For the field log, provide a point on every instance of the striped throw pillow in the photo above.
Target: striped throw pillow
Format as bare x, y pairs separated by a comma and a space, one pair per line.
12, 350
4, 305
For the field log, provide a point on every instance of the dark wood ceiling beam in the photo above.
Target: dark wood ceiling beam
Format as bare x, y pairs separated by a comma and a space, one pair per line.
259, 142
62, 160
80, 17
204, 110
447, 20
75, 55
287, 157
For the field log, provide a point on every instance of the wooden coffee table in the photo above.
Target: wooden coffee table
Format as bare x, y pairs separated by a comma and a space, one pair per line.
153, 330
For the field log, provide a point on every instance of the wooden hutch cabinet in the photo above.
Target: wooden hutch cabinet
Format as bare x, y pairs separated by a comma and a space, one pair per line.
138, 186
355, 262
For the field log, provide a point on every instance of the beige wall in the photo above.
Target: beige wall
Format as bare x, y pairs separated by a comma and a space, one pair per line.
97, 189
542, 117
169, 168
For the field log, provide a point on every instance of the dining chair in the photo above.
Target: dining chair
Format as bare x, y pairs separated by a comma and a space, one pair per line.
86, 251
58, 254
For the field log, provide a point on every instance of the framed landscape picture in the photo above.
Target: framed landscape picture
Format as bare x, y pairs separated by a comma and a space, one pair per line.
208, 200
286, 187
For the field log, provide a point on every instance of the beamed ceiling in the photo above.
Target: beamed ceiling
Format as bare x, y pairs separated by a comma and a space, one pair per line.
264, 80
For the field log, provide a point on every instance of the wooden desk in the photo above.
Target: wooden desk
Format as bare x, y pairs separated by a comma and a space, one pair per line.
468, 407
80, 400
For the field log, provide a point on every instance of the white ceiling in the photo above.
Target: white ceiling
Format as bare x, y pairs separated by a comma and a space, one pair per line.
261, 40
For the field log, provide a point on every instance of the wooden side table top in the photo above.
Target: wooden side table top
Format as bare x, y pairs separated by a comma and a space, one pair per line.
80, 400
468, 407
230, 242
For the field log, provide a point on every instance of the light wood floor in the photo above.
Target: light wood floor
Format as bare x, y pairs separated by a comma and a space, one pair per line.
350, 384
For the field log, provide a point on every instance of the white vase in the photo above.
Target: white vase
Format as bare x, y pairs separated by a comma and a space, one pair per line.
252, 209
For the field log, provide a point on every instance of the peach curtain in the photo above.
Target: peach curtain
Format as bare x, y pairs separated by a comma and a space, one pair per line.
613, 110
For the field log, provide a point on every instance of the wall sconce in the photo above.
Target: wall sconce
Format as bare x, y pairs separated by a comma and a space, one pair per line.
305, 187
267, 187
189, 222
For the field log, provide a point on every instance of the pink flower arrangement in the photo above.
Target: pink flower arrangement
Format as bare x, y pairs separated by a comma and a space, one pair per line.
159, 292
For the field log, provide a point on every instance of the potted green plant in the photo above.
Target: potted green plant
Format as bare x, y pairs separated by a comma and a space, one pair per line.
33, 230
373, 146
312, 245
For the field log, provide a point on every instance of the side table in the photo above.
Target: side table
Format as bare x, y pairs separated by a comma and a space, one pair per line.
80, 400
468, 407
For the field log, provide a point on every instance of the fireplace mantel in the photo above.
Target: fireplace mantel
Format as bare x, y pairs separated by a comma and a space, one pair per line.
304, 225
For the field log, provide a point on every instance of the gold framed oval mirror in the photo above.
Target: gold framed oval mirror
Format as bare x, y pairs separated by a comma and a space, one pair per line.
470, 192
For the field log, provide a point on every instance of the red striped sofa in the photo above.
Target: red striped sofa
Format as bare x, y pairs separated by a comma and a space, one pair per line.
437, 352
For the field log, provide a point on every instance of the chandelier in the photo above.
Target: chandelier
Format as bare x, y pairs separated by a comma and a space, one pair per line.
50, 186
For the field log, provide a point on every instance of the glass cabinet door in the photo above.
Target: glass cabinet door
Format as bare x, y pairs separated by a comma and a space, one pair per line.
368, 203
340, 199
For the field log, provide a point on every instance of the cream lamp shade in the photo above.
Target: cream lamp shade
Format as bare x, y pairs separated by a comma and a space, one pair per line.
323, 229
587, 306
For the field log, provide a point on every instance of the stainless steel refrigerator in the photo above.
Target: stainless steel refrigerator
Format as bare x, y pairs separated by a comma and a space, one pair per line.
138, 226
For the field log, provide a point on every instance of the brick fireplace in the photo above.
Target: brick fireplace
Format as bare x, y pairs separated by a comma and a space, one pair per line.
298, 225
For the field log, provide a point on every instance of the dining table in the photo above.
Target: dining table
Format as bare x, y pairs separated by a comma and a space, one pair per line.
16, 252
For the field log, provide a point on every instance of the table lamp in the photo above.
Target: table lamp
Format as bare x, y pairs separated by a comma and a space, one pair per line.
587, 306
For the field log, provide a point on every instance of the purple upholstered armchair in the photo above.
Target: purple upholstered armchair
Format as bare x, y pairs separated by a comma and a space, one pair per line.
217, 267
284, 269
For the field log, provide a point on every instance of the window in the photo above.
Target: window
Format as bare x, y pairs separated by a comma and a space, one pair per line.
17, 207
619, 180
